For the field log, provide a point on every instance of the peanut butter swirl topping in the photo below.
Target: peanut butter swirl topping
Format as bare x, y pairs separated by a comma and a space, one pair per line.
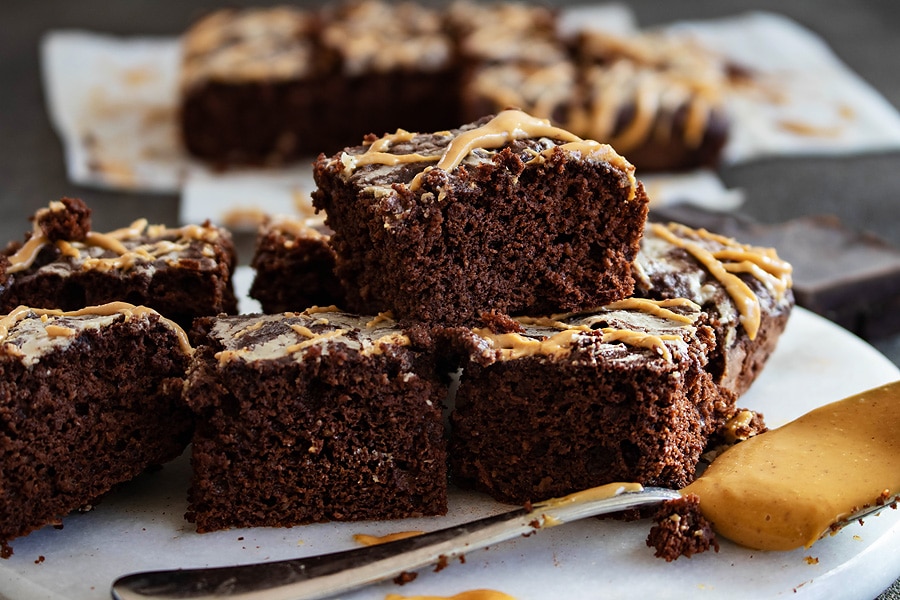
267, 337
451, 149
647, 324
137, 244
29, 332
724, 258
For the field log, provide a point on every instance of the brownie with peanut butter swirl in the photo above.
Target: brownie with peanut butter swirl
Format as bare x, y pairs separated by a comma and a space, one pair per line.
572, 401
314, 416
88, 399
508, 214
182, 272
746, 290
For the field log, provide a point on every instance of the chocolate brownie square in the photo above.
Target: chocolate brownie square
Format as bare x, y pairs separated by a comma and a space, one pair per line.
88, 399
314, 416
509, 214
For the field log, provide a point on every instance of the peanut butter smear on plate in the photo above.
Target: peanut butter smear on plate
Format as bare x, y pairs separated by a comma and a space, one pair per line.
786, 488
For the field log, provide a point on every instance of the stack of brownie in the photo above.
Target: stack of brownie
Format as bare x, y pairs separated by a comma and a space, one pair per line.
591, 346
93, 355
269, 85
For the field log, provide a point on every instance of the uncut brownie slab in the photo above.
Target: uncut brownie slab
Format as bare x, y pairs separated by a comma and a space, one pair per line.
508, 214
181, 272
550, 406
313, 416
294, 265
745, 290
269, 85
88, 399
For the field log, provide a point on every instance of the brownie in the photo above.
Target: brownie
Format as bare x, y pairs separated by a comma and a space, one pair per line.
746, 291
849, 276
294, 266
508, 214
392, 65
581, 400
181, 272
656, 98
544, 90
313, 416
269, 85
248, 82
88, 399
505, 33
680, 529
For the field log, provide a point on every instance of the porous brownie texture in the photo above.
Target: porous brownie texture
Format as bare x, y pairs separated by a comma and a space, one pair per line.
294, 266
181, 272
313, 416
88, 400
507, 214
565, 404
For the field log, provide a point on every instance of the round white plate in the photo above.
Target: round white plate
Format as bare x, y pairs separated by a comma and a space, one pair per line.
140, 526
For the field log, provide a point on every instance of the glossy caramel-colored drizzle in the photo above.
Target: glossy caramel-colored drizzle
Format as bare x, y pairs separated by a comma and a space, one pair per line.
113, 241
9, 321
762, 263
515, 345
506, 126
377, 153
374, 540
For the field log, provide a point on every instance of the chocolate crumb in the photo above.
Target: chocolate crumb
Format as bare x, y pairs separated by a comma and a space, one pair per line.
441, 564
71, 221
39, 559
5, 550
405, 577
681, 530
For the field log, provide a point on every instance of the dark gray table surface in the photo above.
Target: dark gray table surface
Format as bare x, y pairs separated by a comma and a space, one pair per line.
861, 190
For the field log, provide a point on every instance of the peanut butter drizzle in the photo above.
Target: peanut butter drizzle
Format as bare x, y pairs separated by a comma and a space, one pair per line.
762, 263
658, 308
656, 76
601, 492
9, 321
507, 126
315, 339
515, 345
467, 595
785, 488
374, 540
113, 242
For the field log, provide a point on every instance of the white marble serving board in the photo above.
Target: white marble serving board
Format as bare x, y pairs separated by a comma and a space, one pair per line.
140, 526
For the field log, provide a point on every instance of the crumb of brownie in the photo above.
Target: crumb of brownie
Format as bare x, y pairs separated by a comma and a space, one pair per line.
681, 530
69, 220
405, 577
501, 323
